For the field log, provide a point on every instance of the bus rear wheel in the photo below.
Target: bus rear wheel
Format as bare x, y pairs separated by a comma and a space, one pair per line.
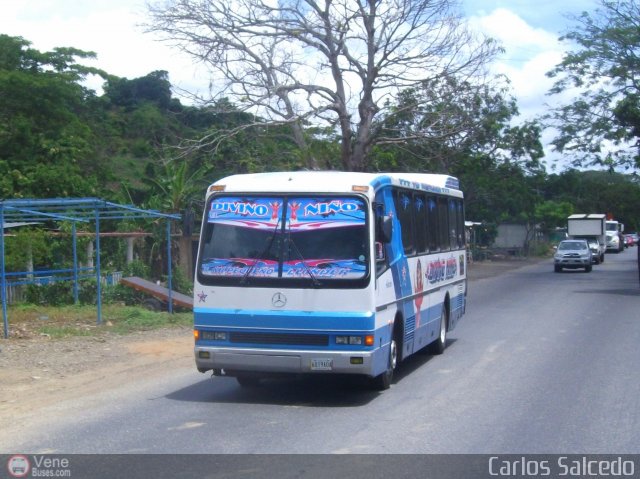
437, 347
383, 381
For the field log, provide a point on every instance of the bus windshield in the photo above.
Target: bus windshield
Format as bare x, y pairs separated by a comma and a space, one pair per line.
286, 240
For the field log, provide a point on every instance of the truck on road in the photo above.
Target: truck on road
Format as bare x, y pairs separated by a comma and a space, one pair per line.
590, 227
615, 239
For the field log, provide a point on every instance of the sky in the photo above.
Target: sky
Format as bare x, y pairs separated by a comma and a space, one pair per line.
528, 30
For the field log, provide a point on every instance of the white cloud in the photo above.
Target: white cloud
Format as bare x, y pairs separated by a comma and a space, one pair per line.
112, 29
513, 31
529, 54
530, 83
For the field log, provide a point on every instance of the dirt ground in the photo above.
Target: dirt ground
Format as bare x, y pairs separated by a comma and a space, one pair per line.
40, 372
37, 371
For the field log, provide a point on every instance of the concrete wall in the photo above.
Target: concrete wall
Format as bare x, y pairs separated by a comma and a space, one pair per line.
510, 236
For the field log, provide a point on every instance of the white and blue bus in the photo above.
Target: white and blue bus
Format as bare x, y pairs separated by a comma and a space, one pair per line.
327, 272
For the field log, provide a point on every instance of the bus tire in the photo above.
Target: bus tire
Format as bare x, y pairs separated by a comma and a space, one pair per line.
383, 381
438, 346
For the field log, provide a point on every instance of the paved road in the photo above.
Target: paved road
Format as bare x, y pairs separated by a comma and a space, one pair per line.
542, 362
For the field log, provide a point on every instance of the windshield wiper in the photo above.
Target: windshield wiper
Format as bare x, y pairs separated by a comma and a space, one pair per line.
245, 278
314, 280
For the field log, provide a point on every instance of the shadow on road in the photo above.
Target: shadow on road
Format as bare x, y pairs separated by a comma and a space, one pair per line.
618, 291
317, 391
303, 391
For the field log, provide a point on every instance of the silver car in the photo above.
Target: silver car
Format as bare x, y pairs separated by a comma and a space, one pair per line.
572, 254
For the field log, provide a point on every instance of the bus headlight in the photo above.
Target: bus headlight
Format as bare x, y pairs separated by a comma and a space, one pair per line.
355, 340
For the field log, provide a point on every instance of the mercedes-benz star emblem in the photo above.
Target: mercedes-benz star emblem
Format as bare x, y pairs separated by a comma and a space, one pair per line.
279, 300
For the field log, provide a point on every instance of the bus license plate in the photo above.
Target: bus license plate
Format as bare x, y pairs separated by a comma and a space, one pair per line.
321, 364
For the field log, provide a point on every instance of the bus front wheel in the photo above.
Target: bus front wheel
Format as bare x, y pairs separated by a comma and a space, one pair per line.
383, 381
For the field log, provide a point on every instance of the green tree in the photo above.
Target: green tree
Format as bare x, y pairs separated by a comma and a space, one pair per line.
175, 188
446, 121
602, 125
154, 87
553, 214
615, 194
330, 62
45, 141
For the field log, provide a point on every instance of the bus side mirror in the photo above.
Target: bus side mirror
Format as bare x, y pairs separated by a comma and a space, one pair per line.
384, 229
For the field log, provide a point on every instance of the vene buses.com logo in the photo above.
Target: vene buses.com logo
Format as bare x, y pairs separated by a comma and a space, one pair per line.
18, 466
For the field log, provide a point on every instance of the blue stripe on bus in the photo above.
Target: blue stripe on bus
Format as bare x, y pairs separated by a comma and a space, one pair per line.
293, 320
381, 337
380, 181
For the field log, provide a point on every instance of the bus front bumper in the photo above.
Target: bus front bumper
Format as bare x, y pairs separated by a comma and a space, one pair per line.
231, 361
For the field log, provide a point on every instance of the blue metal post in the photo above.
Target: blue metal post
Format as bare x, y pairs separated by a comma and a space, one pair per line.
75, 265
3, 275
99, 284
169, 281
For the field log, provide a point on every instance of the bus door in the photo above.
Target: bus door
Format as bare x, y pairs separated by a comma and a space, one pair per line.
399, 266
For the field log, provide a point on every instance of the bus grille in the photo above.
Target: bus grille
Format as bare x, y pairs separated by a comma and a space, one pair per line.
277, 338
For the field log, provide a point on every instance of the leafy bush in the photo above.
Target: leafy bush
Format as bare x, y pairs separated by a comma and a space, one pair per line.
123, 294
180, 283
87, 291
33, 294
61, 293
53, 294
137, 268
541, 248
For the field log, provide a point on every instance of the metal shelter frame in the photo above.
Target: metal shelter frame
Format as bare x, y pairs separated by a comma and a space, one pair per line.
84, 210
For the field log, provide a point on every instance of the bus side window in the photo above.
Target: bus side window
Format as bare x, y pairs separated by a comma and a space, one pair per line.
453, 224
443, 224
432, 224
460, 227
383, 234
420, 210
404, 211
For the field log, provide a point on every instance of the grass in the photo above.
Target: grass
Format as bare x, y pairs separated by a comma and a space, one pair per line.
57, 332
28, 321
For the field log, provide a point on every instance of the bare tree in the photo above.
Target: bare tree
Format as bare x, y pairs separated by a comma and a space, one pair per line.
335, 62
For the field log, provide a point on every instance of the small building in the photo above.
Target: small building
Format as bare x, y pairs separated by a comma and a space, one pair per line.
511, 235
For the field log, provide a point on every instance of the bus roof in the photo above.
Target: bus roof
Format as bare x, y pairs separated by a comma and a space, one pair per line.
336, 182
